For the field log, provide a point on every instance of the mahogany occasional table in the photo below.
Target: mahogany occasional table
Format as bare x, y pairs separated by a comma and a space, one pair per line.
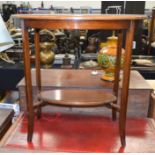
121, 23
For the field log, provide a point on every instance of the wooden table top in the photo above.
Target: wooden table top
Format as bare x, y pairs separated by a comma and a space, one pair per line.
82, 79
79, 16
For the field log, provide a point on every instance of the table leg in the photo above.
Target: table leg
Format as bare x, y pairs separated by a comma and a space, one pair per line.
37, 64
37, 60
125, 84
28, 81
117, 70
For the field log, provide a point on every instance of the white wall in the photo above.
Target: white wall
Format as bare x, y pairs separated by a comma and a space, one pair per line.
149, 4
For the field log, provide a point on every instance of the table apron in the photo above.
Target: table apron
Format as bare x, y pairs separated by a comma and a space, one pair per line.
77, 24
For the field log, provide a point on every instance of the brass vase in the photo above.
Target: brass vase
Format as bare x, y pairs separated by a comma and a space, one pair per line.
47, 55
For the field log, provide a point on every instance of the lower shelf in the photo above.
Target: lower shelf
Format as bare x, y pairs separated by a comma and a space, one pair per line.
77, 97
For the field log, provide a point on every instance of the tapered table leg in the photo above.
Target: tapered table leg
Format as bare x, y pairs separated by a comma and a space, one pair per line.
37, 60
125, 84
37, 64
117, 70
28, 82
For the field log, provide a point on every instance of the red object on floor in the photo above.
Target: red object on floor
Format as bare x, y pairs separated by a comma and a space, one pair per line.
79, 133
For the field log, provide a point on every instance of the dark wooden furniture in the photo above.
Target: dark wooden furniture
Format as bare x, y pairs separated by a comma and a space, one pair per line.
112, 22
7, 71
138, 98
152, 98
6, 116
152, 31
79, 78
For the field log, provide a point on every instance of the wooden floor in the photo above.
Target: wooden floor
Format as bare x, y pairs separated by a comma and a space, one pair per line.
80, 133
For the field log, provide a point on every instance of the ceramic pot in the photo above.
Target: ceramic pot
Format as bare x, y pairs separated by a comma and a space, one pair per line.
47, 55
107, 58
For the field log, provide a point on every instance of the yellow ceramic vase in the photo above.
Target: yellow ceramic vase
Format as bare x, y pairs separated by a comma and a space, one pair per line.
107, 58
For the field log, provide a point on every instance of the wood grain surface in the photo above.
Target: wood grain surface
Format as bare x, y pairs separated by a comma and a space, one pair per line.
74, 97
79, 17
82, 79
